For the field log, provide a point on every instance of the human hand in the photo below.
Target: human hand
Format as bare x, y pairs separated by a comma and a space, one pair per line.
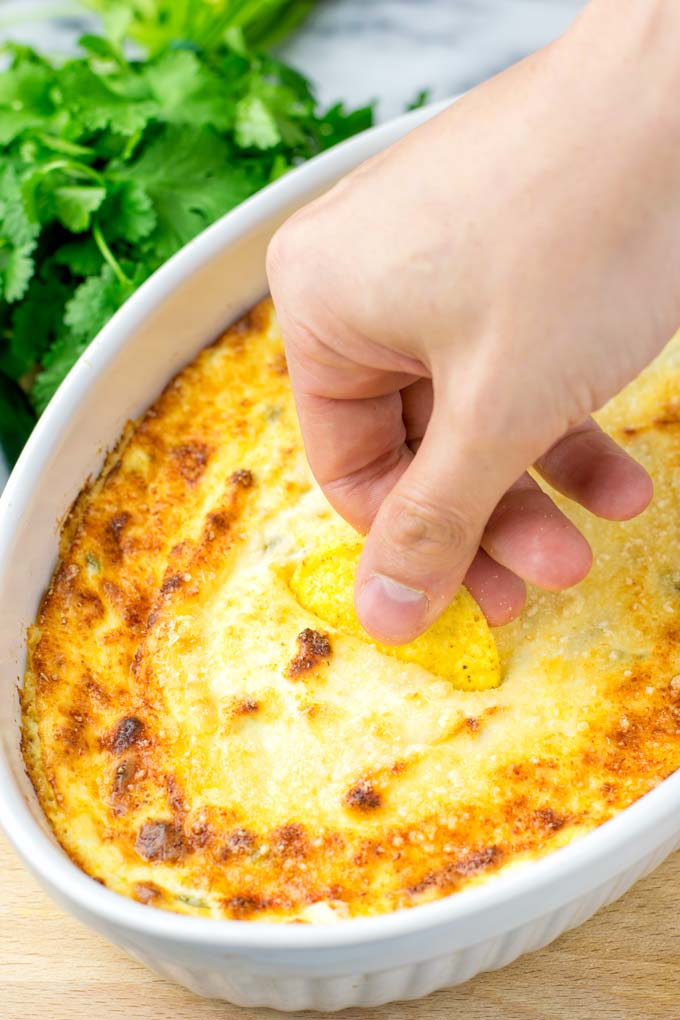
456, 308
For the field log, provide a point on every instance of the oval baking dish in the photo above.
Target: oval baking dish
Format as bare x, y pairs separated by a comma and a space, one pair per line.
289, 967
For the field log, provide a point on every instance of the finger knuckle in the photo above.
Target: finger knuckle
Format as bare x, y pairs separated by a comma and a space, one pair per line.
428, 531
290, 249
278, 255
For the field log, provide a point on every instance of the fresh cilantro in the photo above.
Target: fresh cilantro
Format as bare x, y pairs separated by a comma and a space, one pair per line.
420, 100
75, 204
85, 313
16, 418
255, 125
337, 125
114, 100
33, 324
128, 213
17, 238
94, 302
192, 176
109, 164
81, 257
187, 91
206, 24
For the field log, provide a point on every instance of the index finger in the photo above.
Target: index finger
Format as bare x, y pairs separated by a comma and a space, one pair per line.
356, 449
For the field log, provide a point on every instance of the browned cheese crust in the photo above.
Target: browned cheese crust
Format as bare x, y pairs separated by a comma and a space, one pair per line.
201, 743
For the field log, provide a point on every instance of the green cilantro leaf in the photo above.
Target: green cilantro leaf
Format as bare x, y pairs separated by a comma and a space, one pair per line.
193, 178
94, 302
17, 238
16, 419
106, 49
338, 125
86, 313
103, 101
128, 213
57, 363
75, 204
81, 257
421, 98
26, 99
34, 323
256, 125
17, 266
189, 92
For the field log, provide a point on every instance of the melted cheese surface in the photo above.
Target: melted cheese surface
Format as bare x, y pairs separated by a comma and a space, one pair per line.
202, 742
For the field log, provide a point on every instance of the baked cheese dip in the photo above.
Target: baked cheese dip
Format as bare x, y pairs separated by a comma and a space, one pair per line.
209, 730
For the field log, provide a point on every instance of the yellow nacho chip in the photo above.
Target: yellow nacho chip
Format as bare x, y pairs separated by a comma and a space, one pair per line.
458, 647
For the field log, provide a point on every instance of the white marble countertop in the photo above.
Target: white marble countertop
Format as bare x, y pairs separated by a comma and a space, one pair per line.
388, 50
361, 50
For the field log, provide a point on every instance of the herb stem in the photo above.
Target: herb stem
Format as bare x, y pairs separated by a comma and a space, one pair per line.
62, 145
108, 255
76, 169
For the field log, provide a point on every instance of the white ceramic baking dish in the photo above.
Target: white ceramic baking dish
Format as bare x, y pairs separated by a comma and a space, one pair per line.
290, 967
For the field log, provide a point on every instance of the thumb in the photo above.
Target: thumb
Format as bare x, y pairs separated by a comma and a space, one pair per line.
428, 529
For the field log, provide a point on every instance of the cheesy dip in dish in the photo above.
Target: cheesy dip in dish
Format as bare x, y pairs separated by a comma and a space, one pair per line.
210, 732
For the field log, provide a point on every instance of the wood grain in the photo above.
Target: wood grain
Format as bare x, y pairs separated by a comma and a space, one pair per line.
623, 965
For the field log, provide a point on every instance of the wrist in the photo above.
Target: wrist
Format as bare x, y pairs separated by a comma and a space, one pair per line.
639, 18
627, 56
643, 36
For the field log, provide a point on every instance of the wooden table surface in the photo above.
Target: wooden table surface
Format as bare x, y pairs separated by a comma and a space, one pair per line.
624, 964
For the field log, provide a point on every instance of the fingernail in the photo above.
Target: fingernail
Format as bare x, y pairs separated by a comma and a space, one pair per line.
391, 611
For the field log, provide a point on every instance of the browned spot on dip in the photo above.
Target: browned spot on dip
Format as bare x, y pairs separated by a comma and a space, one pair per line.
289, 841
363, 796
147, 892
238, 842
313, 647
128, 732
243, 478
246, 707
191, 460
244, 906
113, 536
160, 841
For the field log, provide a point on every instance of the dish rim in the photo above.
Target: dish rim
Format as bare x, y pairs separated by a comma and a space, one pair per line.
620, 839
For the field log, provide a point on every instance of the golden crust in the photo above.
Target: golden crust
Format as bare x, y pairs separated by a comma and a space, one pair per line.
202, 743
